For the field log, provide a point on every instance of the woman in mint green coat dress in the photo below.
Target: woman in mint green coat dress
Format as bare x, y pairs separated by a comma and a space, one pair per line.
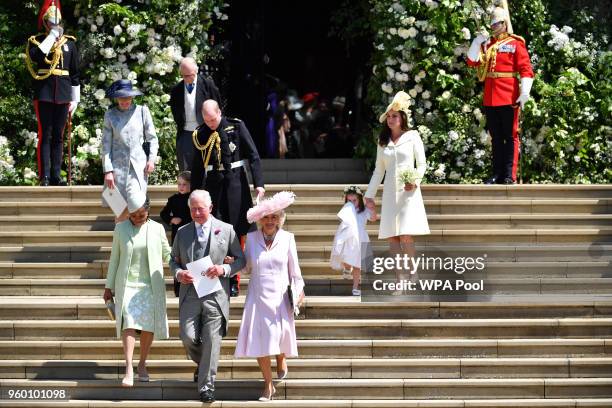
136, 278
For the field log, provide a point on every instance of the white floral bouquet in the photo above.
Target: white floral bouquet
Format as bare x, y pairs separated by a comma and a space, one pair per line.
409, 176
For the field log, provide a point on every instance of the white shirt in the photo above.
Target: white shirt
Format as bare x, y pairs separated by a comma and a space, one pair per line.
191, 121
203, 231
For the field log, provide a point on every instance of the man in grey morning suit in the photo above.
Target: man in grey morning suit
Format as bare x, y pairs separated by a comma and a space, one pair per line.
204, 321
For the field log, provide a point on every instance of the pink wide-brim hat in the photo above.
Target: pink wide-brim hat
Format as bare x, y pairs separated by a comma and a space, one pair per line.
276, 203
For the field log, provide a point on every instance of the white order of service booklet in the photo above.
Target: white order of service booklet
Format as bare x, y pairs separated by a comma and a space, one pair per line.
202, 284
115, 200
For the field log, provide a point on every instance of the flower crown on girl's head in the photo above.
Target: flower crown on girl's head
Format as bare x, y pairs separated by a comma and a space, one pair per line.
352, 190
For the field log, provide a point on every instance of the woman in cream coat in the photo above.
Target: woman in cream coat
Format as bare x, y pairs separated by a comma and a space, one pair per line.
403, 212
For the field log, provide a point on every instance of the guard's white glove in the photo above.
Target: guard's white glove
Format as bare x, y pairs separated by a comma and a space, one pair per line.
58, 30
76, 98
474, 51
526, 84
48, 42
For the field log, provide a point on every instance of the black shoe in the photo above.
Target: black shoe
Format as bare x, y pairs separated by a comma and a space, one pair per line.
508, 180
207, 396
195, 375
44, 182
234, 289
58, 182
492, 180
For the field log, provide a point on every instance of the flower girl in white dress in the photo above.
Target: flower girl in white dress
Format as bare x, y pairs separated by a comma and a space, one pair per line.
351, 237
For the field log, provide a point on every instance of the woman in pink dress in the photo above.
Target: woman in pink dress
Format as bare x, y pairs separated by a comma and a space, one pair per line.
268, 326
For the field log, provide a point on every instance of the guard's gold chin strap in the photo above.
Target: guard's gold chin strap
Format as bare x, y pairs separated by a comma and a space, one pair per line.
214, 140
57, 56
488, 58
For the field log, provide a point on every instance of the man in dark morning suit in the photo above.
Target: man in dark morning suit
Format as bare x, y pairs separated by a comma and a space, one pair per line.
56, 88
186, 100
224, 148
204, 321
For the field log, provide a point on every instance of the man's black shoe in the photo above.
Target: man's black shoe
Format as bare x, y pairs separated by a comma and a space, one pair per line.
44, 182
234, 289
492, 180
59, 182
207, 396
508, 180
195, 375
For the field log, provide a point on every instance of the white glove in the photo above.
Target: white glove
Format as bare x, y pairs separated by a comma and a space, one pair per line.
474, 52
75, 99
481, 38
57, 30
526, 84
48, 42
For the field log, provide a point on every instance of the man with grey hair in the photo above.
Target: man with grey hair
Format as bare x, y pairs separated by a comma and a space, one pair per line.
186, 100
204, 321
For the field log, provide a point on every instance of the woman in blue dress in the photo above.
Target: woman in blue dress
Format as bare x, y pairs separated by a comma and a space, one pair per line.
127, 126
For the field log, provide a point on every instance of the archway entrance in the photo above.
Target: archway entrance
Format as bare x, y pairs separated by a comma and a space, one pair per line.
282, 48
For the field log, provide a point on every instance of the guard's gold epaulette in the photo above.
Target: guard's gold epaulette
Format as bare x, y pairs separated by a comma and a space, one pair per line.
518, 37
33, 39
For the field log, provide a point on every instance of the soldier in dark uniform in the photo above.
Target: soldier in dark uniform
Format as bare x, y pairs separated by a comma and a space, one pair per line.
224, 148
56, 88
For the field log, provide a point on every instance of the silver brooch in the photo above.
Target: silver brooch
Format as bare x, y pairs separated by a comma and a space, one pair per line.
232, 146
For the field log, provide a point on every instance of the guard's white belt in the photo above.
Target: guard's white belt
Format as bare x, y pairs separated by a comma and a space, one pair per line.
235, 164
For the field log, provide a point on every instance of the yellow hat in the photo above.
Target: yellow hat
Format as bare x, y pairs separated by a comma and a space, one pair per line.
401, 102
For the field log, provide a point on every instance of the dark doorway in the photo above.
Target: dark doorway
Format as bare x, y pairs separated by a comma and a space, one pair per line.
280, 46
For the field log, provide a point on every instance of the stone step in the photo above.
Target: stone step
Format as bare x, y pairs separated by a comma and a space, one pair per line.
316, 175
315, 307
318, 268
335, 403
507, 252
325, 237
326, 286
331, 206
327, 349
467, 191
313, 329
329, 221
241, 369
536, 388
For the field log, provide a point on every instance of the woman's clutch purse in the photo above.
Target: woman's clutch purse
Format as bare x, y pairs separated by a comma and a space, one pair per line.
293, 300
110, 309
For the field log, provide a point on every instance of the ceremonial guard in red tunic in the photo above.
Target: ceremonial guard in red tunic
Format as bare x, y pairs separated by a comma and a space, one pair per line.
503, 64
56, 88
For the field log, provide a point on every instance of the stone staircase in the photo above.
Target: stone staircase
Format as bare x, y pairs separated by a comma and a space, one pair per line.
543, 339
